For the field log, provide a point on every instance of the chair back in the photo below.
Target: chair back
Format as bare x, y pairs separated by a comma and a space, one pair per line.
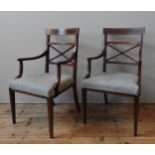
117, 39
59, 47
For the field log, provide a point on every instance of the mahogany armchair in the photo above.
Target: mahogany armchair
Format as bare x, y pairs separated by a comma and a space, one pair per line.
47, 85
119, 83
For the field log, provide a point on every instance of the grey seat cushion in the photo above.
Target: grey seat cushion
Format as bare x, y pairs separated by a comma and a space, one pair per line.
40, 84
115, 82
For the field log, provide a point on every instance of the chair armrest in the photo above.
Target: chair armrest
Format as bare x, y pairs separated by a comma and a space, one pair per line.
33, 58
96, 57
28, 59
90, 60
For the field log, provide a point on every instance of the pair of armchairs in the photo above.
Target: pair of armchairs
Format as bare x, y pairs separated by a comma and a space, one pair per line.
49, 86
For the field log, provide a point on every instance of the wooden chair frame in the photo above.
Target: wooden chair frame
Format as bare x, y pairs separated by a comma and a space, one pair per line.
118, 31
70, 61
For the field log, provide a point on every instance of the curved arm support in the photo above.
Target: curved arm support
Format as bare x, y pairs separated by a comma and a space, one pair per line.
90, 62
21, 67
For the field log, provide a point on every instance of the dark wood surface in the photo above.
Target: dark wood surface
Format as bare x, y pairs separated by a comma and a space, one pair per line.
67, 31
124, 31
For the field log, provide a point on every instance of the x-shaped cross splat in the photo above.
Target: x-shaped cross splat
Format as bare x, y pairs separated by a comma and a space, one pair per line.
123, 52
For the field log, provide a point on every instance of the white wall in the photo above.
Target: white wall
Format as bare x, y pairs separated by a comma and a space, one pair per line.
22, 34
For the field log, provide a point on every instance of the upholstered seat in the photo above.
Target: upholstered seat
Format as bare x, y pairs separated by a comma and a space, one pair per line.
41, 84
113, 82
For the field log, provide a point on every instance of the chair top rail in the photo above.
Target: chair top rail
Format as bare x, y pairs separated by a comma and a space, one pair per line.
67, 31
124, 31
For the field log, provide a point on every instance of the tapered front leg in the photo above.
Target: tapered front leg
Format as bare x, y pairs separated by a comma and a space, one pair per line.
106, 98
84, 102
50, 116
136, 111
12, 103
75, 94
